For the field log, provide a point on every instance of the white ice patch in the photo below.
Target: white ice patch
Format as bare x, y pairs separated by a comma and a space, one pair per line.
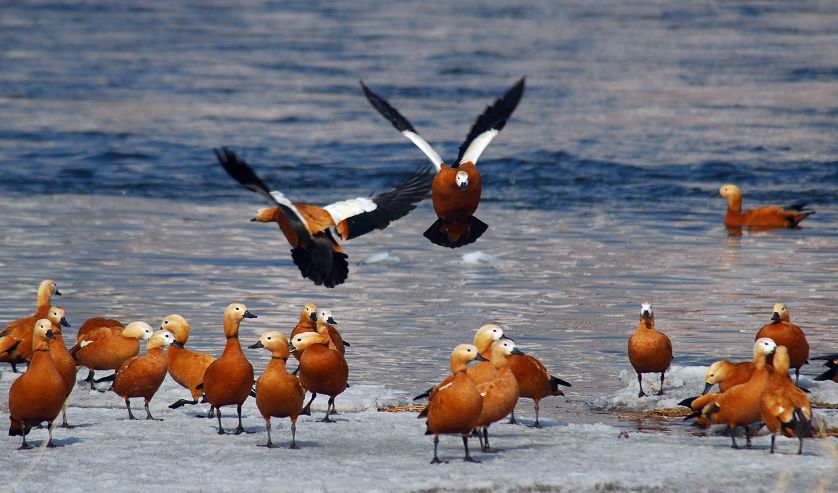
480, 258
679, 383
381, 258
423, 145
478, 145
282, 199
348, 208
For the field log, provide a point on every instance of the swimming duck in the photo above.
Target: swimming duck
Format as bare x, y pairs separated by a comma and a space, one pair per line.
499, 394
323, 369
783, 405
16, 338
455, 408
228, 379
311, 229
763, 217
649, 351
38, 394
456, 189
278, 393
64, 362
141, 376
186, 367
785, 333
106, 349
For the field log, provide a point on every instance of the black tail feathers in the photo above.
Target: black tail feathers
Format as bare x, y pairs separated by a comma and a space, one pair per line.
688, 402
424, 395
555, 382
438, 233
109, 378
321, 263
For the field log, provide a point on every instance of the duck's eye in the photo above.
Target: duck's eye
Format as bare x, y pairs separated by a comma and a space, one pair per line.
165, 322
269, 338
237, 308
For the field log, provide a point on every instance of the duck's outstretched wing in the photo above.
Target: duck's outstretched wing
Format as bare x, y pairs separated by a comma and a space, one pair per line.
359, 216
489, 124
402, 125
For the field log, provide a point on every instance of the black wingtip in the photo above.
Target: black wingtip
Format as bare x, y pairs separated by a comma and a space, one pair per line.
494, 117
424, 395
109, 378
387, 110
240, 171
688, 402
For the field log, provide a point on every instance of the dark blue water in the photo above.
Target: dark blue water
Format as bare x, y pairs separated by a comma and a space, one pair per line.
628, 105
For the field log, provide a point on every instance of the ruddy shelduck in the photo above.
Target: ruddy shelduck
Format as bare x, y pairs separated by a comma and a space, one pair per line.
499, 394
229, 379
64, 362
534, 382
278, 393
16, 338
141, 376
37, 395
763, 217
456, 189
106, 349
325, 325
186, 367
785, 333
740, 404
323, 369
727, 374
832, 365
454, 408
649, 351
92, 324
313, 231
784, 406
307, 323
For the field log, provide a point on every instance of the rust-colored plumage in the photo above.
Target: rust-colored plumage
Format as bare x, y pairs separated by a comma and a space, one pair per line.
499, 394
64, 362
16, 338
783, 405
229, 379
106, 348
141, 376
278, 393
323, 369
37, 395
649, 351
186, 367
534, 382
763, 217
307, 323
785, 333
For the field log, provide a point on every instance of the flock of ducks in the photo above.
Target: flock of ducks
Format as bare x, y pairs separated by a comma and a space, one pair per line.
467, 402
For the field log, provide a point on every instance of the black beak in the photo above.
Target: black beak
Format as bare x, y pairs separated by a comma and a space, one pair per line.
517, 351
247, 314
291, 347
313, 316
57, 292
64, 322
331, 321
646, 314
463, 186
707, 388
775, 317
480, 358
50, 335
507, 338
257, 345
253, 220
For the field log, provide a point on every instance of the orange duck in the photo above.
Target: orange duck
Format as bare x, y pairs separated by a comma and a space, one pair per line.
727, 374
454, 408
229, 379
785, 333
649, 351
832, 372
186, 367
307, 323
16, 338
38, 394
740, 404
106, 349
323, 325
763, 217
310, 229
92, 324
499, 394
534, 382
456, 189
141, 376
323, 369
278, 393
64, 362
783, 405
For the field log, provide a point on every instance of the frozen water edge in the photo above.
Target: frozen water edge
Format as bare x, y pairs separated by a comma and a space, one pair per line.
367, 450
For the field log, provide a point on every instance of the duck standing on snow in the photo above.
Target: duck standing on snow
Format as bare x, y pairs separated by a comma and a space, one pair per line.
38, 394
534, 382
141, 376
499, 394
785, 333
278, 393
106, 349
649, 351
64, 362
454, 408
783, 405
763, 217
323, 369
92, 324
16, 338
186, 367
456, 189
310, 229
229, 379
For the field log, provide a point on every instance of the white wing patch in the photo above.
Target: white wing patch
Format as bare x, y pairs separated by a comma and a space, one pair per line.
445, 386
85, 343
348, 208
423, 145
282, 199
477, 146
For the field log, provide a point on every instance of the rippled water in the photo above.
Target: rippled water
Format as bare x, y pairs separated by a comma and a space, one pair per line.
601, 191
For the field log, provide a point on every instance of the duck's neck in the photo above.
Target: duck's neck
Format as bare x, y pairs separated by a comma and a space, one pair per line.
277, 363
499, 360
646, 323
734, 204
233, 346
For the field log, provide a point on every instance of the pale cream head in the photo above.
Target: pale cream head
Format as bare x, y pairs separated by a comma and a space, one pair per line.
275, 342
780, 312
304, 340
138, 330
307, 310
462, 180
486, 335
717, 372
325, 316
462, 355
161, 338
764, 346
41, 333
646, 310
178, 326
56, 316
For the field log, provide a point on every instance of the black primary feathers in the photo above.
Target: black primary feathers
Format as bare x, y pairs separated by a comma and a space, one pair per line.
494, 117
